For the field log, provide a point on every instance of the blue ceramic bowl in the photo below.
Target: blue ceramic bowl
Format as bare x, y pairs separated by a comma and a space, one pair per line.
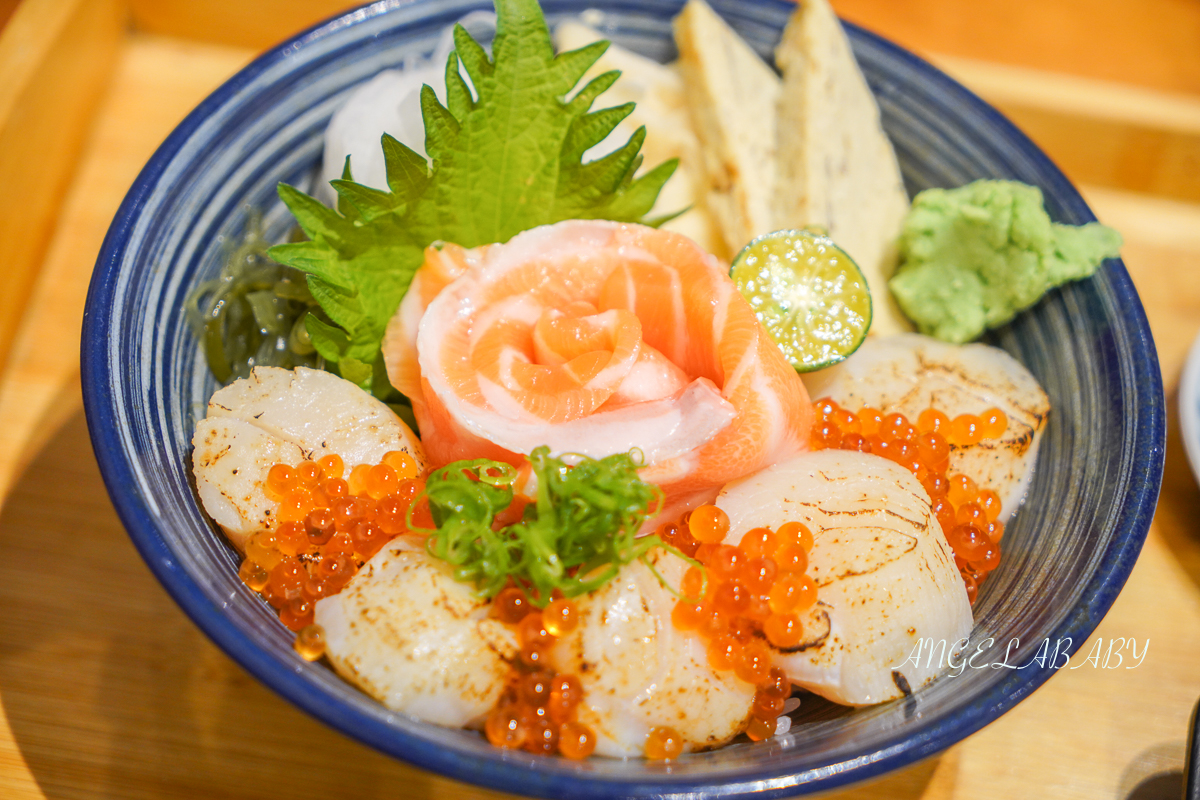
1067, 554
1189, 407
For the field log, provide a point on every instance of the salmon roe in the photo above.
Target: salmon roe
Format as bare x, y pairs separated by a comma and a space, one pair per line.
536, 710
310, 642
967, 514
744, 598
663, 744
325, 530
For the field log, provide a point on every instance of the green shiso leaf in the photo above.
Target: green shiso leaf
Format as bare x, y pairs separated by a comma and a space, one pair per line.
505, 160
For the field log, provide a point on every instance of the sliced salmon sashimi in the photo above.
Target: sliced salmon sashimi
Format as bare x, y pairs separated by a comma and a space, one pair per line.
595, 337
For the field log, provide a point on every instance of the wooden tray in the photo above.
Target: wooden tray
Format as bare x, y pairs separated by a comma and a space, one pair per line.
108, 690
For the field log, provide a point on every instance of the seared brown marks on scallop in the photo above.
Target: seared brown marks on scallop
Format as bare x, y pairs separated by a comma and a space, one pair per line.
639, 672
817, 630
281, 416
909, 373
412, 637
230, 461
882, 566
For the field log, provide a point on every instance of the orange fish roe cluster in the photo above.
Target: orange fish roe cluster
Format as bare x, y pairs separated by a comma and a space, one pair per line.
327, 527
754, 591
536, 711
663, 744
969, 516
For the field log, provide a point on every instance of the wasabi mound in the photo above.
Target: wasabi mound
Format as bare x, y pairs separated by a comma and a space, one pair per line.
973, 257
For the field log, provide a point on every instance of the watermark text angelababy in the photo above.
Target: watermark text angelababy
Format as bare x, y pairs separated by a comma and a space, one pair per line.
1115, 653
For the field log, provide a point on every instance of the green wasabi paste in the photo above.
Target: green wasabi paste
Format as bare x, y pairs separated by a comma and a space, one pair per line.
974, 256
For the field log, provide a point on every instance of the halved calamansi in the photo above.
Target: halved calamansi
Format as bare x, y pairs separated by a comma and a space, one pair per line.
809, 295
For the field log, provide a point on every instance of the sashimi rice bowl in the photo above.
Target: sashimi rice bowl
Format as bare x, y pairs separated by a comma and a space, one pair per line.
687, 398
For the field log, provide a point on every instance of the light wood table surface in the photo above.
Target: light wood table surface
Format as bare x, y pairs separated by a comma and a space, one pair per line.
108, 691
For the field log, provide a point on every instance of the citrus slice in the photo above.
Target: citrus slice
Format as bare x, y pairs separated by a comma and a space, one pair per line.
809, 295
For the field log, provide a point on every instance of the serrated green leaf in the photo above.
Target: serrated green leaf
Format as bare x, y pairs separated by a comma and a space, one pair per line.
634, 167
590, 130
505, 156
573, 64
382, 388
604, 176
344, 206
369, 203
663, 219
458, 96
407, 171
635, 201
314, 217
356, 371
312, 257
330, 341
441, 128
470, 53
583, 100
342, 306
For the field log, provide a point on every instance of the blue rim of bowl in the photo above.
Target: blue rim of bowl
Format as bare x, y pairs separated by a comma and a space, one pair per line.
1136, 510
1189, 407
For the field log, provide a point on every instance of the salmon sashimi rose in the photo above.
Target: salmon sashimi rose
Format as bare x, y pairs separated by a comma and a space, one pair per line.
595, 337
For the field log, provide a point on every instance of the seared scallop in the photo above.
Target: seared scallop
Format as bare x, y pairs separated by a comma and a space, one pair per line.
639, 672
411, 636
284, 416
885, 575
909, 373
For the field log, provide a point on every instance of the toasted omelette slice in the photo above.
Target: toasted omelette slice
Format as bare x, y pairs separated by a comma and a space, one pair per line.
837, 169
732, 94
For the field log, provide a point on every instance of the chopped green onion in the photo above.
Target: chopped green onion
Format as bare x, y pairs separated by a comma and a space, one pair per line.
574, 538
